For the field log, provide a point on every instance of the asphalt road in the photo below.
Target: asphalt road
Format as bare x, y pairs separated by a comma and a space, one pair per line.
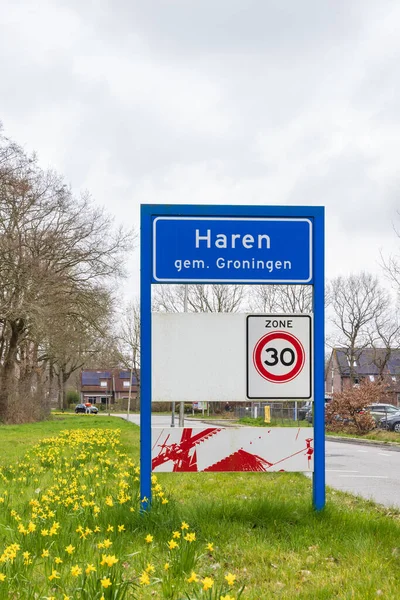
372, 472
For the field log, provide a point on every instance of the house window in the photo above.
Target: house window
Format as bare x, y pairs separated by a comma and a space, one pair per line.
103, 383
92, 399
372, 378
126, 383
104, 400
356, 381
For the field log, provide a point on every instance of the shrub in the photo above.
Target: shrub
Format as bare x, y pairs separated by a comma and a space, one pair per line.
346, 410
73, 397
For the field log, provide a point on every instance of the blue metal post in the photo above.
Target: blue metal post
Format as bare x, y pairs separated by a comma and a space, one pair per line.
145, 356
319, 362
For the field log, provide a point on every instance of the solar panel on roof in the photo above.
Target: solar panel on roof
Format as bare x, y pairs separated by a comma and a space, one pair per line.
90, 379
93, 378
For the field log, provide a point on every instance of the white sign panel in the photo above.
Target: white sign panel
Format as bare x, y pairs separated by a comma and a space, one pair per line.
279, 357
198, 357
216, 449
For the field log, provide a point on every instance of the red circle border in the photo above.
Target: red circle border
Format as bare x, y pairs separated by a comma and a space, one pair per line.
263, 371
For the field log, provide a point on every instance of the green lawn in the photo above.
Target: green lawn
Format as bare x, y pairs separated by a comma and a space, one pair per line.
262, 526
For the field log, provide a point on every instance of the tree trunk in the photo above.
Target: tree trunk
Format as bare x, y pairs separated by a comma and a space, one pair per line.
64, 379
8, 392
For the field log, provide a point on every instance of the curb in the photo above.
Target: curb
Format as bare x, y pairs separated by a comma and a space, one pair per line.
221, 423
386, 445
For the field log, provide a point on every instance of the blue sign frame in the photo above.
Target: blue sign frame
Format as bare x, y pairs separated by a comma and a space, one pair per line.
315, 215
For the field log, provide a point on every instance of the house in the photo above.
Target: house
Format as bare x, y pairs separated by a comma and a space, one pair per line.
108, 386
371, 363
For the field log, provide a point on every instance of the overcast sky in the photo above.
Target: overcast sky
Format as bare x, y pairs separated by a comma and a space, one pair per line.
215, 101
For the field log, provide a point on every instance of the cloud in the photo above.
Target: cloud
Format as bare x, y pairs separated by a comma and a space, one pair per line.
215, 102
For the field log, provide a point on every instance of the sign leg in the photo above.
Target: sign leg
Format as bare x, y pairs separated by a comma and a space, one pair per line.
319, 368
145, 365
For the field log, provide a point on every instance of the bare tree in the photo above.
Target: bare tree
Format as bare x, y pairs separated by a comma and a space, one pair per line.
200, 298
384, 337
55, 249
74, 333
281, 298
128, 337
357, 303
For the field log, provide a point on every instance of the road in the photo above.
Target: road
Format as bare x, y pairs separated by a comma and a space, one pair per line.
372, 472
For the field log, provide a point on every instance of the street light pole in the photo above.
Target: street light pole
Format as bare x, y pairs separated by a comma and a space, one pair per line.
130, 389
182, 404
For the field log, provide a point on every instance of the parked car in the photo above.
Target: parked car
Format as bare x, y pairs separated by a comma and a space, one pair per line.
377, 411
391, 423
82, 408
303, 410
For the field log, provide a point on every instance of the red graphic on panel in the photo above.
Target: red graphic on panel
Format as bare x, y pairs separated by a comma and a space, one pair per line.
309, 450
240, 461
183, 454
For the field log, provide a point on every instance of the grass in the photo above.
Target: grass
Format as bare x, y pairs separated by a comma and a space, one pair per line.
259, 422
262, 526
379, 435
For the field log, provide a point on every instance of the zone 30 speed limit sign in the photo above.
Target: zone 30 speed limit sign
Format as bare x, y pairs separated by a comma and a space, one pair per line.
279, 357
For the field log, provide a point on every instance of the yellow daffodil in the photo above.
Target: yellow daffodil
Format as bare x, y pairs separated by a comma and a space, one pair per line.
109, 560
230, 579
176, 534
54, 575
144, 579
210, 547
207, 583
2, 577
149, 538
184, 525
90, 569
70, 549
105, 582
76, 571
172, 544
193, 577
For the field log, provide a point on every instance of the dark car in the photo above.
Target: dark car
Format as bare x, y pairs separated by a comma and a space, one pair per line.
379, 410
391, 423
303, 410
82, 408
